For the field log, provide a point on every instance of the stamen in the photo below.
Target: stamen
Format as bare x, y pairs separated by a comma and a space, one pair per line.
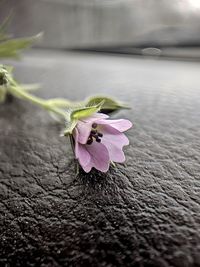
94, 135
94, 132
94, 125
89, 141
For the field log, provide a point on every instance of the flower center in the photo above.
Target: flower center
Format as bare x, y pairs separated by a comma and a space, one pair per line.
94, 135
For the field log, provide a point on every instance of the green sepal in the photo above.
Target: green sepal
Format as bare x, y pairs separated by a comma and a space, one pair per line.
85, 112
109, 104
70, 127
80, 113
12, 47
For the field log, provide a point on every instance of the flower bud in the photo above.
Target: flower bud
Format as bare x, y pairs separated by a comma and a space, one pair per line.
4, 81
3, 76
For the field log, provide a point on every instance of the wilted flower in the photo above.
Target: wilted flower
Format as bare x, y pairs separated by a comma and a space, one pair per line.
98, 141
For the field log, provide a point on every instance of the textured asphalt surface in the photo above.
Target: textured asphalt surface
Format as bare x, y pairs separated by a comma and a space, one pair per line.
145, 212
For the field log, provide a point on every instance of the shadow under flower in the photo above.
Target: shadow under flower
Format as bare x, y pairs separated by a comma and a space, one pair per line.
97, 181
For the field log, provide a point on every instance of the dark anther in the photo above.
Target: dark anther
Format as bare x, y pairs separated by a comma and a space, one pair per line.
89, 142
93, 132
94, 135
94, 125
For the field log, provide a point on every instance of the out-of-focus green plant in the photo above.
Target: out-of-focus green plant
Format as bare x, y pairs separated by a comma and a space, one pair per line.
11, 47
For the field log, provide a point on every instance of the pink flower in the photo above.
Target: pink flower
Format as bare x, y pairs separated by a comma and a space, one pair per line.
99, 141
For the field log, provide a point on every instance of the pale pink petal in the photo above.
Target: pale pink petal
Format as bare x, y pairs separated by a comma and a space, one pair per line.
81, 152
120, 125
114, 141
115, 153
95, 117
83, 155
83, 131
99, 157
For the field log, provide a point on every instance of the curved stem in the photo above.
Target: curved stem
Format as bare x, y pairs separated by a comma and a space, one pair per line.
20, 93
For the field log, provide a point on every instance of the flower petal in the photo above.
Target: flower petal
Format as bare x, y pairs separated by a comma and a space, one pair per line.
81, 152
83, 155
99, 157
95, 117
114, 141
83, 131
120, 125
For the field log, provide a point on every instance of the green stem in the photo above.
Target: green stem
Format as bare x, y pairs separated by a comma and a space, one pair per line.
17, 91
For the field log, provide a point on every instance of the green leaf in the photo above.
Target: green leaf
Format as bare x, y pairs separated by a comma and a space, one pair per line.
109, 104
8, 68
3, 26
30, 87
12, 47
84, 112
78, 114
70, 127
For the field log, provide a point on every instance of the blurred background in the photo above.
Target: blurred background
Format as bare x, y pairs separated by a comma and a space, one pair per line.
139, 27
